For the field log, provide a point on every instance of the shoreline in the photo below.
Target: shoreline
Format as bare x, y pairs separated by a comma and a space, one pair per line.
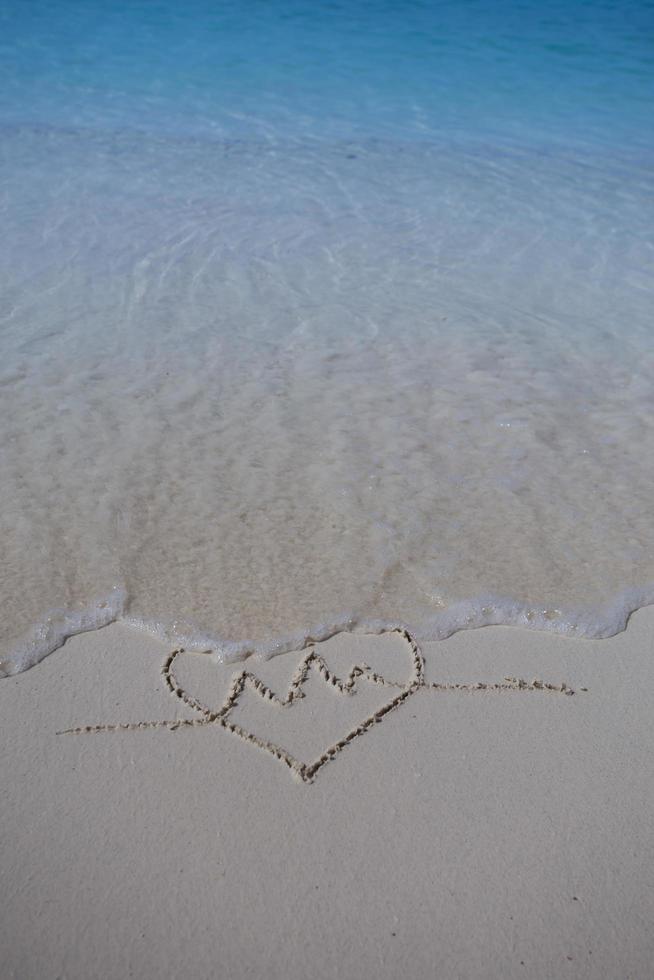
592, 623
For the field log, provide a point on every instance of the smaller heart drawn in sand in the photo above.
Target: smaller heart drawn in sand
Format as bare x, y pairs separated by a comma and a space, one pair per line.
311, 662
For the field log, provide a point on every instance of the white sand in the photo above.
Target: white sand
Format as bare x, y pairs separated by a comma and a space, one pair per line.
470, 834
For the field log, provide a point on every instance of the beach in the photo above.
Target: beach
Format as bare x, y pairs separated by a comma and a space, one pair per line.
471, 832
326, 469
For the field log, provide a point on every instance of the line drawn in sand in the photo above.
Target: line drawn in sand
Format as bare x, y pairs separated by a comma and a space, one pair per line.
244, 680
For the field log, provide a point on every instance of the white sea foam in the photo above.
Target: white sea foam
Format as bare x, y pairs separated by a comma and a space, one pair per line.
57, 627
596, 623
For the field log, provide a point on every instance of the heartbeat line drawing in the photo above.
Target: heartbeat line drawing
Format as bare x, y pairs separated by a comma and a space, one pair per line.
311, 662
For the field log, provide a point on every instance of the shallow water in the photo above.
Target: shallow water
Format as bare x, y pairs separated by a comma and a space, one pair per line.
321, 316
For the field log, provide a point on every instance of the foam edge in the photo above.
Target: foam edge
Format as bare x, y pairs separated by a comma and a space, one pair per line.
597, 622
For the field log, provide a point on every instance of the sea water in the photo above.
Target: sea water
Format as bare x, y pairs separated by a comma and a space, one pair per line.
324, 315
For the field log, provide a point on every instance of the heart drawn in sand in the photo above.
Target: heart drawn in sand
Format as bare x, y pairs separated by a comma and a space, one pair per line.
245, 687
245, 682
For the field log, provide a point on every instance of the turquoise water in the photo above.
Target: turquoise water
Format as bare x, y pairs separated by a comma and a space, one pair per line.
324, 316
564, 71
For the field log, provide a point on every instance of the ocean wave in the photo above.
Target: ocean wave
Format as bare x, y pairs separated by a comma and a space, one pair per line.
594, 623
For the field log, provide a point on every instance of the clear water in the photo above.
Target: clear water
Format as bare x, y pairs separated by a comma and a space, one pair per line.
320, 316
